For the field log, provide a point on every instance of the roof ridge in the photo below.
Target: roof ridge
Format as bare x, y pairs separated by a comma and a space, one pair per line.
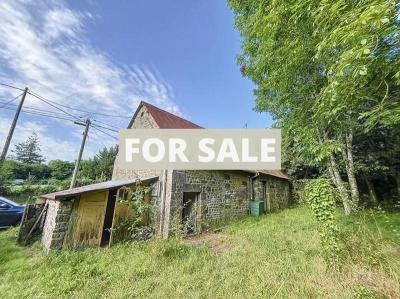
165, 111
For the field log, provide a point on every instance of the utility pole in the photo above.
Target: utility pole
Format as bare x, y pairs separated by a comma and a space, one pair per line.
14, 123
78, 161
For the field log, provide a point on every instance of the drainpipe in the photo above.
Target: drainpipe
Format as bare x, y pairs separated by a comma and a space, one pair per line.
252, 178
163, 187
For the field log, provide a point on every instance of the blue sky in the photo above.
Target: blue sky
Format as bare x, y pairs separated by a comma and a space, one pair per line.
106, 56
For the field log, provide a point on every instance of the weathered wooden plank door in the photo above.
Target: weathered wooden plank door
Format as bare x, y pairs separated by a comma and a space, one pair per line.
121, 212
88, 227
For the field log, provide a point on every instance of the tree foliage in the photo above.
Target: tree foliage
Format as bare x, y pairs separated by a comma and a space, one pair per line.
29, 151
11, 169
327, 71
61, 170
100, 167
104, 162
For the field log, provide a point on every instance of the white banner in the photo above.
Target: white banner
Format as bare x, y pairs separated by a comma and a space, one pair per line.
243, 149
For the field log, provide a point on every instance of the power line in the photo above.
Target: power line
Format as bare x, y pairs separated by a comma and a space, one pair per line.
49, 103
68, 107
56, 106
65, 106
95, 133
86, 111
96, 128
33, 108
103, 127
112, 126
11, 86
65, 118
41, 114
95, 113
12, 100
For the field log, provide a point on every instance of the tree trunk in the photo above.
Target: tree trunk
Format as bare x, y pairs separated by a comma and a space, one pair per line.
349, 162
396, 176
371, 188
334, 170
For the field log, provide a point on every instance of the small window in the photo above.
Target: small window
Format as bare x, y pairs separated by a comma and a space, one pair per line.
4, 206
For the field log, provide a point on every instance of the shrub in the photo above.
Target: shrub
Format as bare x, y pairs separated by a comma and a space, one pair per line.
136, 227
61, 170
321, 197
11, 170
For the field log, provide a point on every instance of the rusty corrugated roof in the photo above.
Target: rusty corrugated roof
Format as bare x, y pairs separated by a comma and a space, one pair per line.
275, 173
165, 119
95, 187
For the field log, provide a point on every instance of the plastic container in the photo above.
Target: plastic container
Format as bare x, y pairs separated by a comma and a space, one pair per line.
257, 208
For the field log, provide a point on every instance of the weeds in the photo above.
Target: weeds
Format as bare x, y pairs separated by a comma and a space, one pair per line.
278, 255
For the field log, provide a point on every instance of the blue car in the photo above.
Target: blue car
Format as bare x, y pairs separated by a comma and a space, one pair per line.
10, 213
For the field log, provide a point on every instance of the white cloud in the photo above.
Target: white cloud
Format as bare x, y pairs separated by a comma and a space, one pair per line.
62, 21
43, 45
53, 147
52, 56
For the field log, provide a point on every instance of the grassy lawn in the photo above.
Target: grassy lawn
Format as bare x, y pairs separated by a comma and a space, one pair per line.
275, 256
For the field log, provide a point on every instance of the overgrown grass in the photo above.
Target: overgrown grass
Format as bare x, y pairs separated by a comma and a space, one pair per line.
275, 256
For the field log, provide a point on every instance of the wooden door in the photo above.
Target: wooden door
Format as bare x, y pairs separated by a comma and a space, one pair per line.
189, 212
90, 216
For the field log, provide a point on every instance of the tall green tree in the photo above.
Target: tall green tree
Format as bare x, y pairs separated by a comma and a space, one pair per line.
100, 167
29, 151
324, 70
87, 169
61, 170
104, 162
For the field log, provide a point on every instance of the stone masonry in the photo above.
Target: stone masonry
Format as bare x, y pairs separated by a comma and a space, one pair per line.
56, 224
222, 195
277, 191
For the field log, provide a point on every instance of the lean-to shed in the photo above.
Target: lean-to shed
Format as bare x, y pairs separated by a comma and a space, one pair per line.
84, 216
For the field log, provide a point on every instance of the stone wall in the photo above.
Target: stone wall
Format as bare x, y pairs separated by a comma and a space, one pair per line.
222, 195
56, 224
277, 192
143, 120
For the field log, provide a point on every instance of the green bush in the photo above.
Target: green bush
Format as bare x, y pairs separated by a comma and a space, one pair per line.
61, 170
11, 170
135, 227
321, 197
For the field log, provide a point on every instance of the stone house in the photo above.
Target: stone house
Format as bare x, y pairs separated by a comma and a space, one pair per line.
202, 197
85, 216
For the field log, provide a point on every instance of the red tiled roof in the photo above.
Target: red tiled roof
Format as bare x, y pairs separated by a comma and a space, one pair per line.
166, 120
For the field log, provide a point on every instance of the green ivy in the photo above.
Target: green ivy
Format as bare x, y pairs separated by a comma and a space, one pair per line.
321, 197
137, 226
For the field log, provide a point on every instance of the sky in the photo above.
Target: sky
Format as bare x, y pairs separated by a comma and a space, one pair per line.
99, 59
